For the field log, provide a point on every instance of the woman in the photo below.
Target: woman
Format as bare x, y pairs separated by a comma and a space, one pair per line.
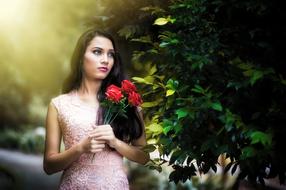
93, 153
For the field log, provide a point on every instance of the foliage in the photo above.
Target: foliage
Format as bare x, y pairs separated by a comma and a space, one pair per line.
141, 177
215, 85
14, 99
27, 141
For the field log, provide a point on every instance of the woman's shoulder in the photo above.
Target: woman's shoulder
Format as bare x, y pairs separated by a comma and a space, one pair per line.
61, 98
65, 95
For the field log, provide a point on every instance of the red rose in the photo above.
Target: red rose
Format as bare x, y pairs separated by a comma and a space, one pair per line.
113, 93
127, 86
134, 99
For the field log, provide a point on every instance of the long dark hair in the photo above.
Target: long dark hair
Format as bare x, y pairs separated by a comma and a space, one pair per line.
124, 129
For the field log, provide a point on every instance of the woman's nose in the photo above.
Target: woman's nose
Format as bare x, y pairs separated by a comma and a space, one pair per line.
104, 59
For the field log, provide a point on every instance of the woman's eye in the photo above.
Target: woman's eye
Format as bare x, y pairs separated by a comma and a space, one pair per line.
111, 54
97, 52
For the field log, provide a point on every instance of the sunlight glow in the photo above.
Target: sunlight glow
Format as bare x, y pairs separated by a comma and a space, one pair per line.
12, 13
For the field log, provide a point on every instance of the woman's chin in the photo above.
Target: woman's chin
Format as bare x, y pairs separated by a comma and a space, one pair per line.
100, 77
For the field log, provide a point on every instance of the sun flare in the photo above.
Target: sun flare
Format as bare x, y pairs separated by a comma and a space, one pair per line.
12, 13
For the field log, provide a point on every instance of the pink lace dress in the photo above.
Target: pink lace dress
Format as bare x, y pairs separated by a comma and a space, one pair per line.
76, 119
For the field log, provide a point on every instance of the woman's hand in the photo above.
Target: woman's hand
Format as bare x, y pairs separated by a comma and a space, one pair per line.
91, 145
104, 133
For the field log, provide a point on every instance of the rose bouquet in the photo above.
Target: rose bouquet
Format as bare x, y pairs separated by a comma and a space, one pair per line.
118, 99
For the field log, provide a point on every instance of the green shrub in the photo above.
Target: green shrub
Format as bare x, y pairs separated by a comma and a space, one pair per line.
216, 84
27, 141
9, 139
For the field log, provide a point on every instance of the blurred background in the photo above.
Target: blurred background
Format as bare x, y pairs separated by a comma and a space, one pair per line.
37, 39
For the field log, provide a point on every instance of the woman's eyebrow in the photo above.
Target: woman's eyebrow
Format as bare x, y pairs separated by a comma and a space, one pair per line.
96, 47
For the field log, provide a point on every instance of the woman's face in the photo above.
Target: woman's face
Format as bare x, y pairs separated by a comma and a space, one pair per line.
98, 58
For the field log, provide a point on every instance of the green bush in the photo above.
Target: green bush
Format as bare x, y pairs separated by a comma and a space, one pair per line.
27, 141
9, 139
32, 143
216, 84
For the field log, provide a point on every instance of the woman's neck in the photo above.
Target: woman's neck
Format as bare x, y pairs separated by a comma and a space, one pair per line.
89, 88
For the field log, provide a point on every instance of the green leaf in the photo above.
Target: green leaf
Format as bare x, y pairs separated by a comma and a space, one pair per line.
178, 129
149, 148
172, 84
167, 129
245, 66
174, 41
256, 75
141, 80
153, 51
247, 152
260, 137
161, 21
155, 128
198, 89
175, 155
167, 126
153, 70
170, 92
163, 44
143, 39
217, 106
149, 79
150, 104
248, 73
182, 112
228, 119
155, 86
235, 85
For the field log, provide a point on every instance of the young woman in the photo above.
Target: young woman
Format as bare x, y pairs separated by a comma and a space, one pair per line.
93, 153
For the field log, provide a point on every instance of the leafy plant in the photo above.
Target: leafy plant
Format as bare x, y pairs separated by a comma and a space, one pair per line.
214, 87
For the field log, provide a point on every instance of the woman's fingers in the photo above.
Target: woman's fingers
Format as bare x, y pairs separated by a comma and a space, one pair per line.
96, 145
96, 141
102, 128
103, 134
97, 134
97, 148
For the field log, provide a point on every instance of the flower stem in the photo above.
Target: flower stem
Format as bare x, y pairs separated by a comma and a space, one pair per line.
111, 119
106, 116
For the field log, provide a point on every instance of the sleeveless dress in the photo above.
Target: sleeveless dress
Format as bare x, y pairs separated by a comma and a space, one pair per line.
105, 171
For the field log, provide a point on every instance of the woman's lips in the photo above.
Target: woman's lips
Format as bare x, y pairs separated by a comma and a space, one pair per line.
103, 69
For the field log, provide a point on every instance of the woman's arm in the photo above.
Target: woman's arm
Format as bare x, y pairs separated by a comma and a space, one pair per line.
55, 161
132, 152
